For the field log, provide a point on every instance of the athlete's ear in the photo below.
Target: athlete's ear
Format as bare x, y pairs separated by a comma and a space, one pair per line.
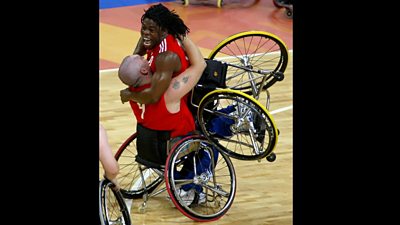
145, 67
144, 70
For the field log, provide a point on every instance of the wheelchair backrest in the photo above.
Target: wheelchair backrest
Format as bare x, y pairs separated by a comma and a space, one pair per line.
213, 77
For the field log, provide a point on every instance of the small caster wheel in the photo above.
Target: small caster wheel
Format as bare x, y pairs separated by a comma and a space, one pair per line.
289, 13
279, 76
271, 157
142, 208
279, 132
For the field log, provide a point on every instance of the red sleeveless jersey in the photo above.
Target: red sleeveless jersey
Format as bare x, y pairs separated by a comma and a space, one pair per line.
156, 116
170, 43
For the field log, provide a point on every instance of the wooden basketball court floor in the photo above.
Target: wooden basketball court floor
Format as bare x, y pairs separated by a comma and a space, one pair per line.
264, 194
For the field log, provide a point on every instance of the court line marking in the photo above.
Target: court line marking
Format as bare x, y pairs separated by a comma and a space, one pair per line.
282, 109
108, 70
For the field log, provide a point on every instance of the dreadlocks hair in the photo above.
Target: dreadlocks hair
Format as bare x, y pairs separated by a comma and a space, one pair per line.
166, 19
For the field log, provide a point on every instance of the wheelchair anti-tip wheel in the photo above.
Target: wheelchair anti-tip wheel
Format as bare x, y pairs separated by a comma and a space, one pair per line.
130, 175
112, 207
200, 180
256, 50
237, 124
289, 12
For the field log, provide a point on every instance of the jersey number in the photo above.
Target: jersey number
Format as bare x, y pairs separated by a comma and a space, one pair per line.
143, 108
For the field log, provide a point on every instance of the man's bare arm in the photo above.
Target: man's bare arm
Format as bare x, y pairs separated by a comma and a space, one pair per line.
184, 82
166, 64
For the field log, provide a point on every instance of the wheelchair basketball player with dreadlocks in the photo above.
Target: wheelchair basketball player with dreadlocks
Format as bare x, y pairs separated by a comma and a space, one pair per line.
158, 96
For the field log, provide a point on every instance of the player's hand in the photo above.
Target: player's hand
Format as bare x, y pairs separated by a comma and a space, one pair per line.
116, 186
125, 95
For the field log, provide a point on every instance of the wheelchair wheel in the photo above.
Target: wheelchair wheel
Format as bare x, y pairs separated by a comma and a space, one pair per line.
112, 207
256, 50
219, 3
200, 180
237, 124
130, 176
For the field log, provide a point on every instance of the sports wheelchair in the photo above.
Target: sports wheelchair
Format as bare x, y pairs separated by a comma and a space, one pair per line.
112, 207
287, 4
198, 174
253, 61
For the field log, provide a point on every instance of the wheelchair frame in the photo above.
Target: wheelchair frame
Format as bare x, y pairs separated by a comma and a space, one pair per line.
256, 72
141, 181
287, 4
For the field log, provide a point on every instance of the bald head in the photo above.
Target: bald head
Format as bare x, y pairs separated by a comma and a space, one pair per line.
134, 71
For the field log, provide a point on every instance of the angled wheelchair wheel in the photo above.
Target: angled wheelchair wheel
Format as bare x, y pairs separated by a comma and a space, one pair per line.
112, 207
131, 177
219, 3
237, 124
200, 179
256, 50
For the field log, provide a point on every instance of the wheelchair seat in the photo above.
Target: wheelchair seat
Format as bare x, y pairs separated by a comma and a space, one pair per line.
152, 147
